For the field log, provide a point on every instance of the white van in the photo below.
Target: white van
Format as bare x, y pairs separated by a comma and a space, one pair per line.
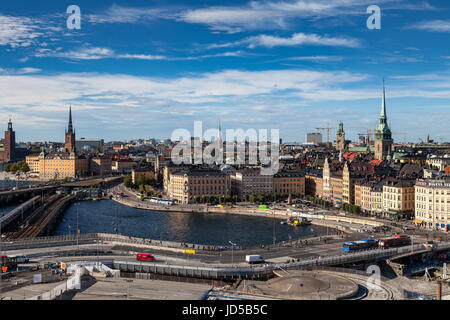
20, 258
254, 258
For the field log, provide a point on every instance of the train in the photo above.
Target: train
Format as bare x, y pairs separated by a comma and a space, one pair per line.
366, 244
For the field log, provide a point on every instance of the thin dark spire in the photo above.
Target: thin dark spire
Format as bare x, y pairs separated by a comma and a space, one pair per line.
70, 128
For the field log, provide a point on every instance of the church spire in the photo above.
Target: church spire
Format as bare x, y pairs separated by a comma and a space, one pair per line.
383, 116
70, 127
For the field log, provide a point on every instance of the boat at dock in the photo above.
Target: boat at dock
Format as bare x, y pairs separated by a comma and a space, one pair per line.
299, 221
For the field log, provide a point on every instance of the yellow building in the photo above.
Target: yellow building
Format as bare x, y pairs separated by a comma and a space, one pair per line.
433, 203
33, 162
398, 199
61, 166
141, 172
188, 185
336, 188
358, 194
289, 182
376, 197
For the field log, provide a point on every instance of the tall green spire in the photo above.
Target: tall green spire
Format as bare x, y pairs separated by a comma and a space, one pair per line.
383, 116
383, 132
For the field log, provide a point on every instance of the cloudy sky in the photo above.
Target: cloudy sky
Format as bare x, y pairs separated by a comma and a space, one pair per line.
141, 69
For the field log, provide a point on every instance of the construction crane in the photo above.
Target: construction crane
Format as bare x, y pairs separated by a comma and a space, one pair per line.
328, 128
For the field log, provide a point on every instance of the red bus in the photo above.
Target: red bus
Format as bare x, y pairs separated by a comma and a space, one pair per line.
145, 257
395, 241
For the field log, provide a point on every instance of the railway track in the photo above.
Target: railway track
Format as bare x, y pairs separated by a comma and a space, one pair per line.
37, 222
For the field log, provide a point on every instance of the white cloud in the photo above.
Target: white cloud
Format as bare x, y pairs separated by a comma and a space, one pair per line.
96, 53
119, 14
141, 56
433, 25
26, 70
279, 14
18, 31
297, 39
316, 58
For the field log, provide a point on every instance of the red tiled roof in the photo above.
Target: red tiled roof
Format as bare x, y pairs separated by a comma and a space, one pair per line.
349, 156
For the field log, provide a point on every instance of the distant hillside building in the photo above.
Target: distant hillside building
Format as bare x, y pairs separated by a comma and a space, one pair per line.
314, 137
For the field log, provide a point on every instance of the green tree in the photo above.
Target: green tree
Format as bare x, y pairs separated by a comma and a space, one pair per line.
140, 180
127, 182
95, 185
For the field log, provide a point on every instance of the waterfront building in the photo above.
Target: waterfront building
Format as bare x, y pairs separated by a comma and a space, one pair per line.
170, 167
249, 181
60, 166
383, 135
189, 186
314, 183
432, 205
32, 161
147, 173
398, 198
289, 182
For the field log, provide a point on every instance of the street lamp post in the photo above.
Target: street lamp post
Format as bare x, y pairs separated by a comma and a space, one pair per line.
232, 251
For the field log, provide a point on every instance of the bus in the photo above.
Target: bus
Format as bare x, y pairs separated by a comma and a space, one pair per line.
363, 244
395, 241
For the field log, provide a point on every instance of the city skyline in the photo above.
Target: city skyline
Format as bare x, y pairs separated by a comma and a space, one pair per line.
128, 74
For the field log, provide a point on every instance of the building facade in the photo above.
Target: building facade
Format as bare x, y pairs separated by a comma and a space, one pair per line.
289, 182
190, 185
250, 181
61, 166
100, 166
432, 206
398, 199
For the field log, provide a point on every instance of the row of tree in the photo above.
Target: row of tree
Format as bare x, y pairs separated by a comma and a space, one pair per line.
318, 201
351, 208
20, 166
216, 199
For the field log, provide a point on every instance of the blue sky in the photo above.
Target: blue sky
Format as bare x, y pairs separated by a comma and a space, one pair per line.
141, 69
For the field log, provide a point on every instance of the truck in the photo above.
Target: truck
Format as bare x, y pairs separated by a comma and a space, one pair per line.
254, 258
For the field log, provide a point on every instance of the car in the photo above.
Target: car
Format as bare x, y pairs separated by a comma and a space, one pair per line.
145, 257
